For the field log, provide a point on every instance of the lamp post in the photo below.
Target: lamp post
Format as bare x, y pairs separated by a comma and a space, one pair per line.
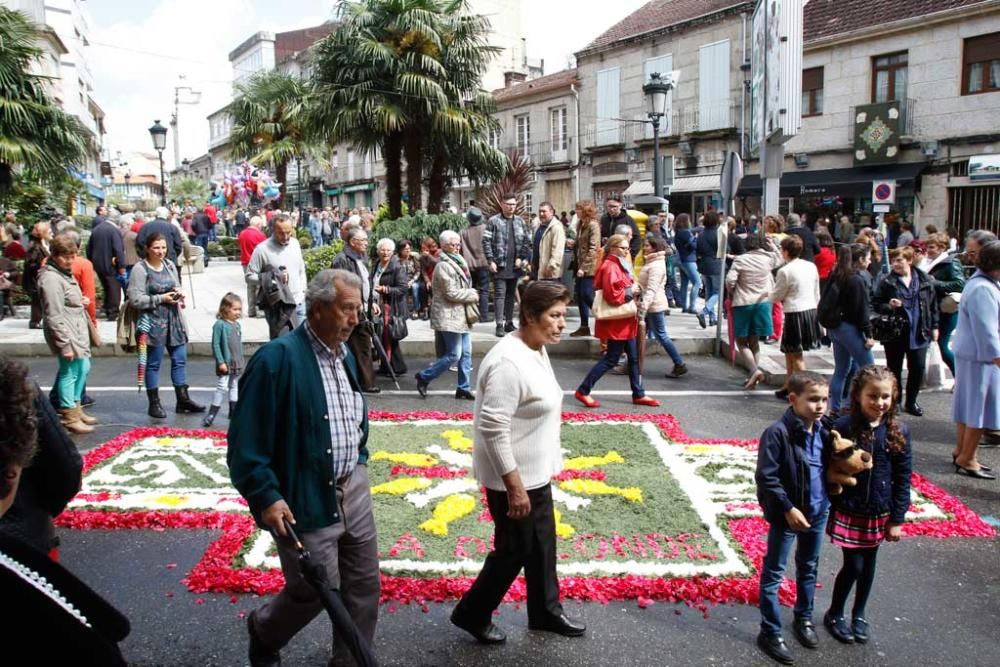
298, 185
656, 92
128, 177
159, 135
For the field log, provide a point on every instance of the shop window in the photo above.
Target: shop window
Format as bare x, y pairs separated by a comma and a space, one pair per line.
889, 74
981, 70
812, 91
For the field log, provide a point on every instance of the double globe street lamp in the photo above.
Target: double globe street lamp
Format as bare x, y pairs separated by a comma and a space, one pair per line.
159, 135
657, 90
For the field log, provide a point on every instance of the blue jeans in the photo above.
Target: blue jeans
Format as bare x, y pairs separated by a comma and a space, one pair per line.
458, 347
178, 365
656, 325
71, 380
673, 291
202, 240
417, 290
849, 356
712, 285
779, 543
316, 234
585, 298
481, 281
610, 360
690, 284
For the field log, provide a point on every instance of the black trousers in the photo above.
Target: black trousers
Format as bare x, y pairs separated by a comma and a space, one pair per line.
916, 362
360, 343
112, 296
528, 543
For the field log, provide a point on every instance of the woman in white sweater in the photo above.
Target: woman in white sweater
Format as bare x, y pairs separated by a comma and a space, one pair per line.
516, 452
797, 289
750, 283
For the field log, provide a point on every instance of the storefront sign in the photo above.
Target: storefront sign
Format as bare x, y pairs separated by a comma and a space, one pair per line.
806, 190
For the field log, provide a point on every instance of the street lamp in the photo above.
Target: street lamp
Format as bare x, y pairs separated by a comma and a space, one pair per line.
298, 185
656, 92
128, 177
159, 135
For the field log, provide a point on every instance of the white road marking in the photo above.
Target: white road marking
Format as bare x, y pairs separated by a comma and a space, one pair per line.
451, 392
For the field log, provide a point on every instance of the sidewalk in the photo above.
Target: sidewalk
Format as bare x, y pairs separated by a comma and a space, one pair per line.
205, 290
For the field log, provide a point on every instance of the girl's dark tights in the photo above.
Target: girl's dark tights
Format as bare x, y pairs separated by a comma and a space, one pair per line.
859, 568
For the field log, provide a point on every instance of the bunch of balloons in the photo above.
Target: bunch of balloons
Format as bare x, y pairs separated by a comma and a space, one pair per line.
246, 186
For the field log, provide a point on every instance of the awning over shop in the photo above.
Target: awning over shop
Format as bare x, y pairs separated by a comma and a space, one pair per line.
848, 182
359, 187
697, 183
638, 188
333, 191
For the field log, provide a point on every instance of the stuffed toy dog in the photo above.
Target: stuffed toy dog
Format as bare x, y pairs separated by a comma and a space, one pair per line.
846, 461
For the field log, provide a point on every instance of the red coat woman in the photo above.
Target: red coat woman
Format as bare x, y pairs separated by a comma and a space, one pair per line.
614, 279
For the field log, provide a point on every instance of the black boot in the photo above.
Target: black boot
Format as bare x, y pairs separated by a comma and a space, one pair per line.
184, 402
155, 407
210, 417
232, 409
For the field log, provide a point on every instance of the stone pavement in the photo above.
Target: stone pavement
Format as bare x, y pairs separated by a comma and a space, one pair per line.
205, 290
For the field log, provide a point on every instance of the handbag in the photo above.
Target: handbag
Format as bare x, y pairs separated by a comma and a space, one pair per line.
471, 313
95, 335
950, 302
605, 311
397, 327
888, 328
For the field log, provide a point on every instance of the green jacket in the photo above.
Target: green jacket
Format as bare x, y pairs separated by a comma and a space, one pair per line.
948, 277
279, 436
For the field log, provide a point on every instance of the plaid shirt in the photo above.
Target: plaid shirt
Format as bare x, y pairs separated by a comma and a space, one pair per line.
345, 407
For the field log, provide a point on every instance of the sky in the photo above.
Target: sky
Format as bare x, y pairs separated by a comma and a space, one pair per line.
140, 49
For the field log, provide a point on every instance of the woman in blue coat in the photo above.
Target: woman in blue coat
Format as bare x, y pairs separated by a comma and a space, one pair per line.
687, 258
976, 401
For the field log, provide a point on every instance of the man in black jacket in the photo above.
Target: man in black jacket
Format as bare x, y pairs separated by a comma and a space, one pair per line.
615, 216
106, 251
810, 246
354, 258
160, 225
202, 227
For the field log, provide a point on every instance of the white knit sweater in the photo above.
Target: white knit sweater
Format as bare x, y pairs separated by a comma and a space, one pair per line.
797, 286
518, 405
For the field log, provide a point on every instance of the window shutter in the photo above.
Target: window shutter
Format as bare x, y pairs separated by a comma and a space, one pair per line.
608, 100
982, 48
812, 79
713, 86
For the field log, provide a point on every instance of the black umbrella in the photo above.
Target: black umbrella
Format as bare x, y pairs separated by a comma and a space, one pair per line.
380, 350
340, 618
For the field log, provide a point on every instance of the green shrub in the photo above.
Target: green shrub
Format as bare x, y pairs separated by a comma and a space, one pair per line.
382, 213
415, 227
215, 249
84, 221
305, 239
321, 258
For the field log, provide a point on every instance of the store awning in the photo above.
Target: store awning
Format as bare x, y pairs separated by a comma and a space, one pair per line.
359, 187
697, 183
333, 191
638, 188
848, 182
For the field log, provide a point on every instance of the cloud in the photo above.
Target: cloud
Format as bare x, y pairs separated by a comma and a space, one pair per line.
137, 61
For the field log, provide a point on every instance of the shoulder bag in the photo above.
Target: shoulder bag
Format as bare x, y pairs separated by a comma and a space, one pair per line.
605, 311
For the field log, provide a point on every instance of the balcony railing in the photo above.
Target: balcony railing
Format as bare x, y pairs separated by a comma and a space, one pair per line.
907, 116
683, 119
543, 153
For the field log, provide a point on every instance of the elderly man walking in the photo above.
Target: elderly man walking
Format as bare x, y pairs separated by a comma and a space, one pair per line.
297, 452
248, 240
354, 258
277, 267
550, 242
106, 251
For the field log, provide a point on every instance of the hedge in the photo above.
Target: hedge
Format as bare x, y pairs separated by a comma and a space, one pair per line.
321, 258
414, 228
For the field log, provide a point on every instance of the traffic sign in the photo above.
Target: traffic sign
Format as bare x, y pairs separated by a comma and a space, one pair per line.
883, 192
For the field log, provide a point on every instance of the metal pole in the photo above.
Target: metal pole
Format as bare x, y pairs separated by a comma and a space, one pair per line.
163, 185
657, 181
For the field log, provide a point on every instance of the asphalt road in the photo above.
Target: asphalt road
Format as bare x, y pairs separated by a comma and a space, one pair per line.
935, 601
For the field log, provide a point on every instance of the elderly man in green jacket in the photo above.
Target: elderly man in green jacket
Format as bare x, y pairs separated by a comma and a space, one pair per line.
297, 452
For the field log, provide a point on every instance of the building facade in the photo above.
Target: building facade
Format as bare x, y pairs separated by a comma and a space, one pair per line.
704, 42
939, 62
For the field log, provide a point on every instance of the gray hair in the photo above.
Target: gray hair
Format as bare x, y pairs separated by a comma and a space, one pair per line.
624, 230
162, 212
323, 287
125, 221
355, 232
988, 260
793, 220
982, 236
386, 243
448, 234
256, 221
139, 215
72, 234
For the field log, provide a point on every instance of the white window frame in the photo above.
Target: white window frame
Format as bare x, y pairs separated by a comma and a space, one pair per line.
559, 133
608, 129
522, 134
714, 91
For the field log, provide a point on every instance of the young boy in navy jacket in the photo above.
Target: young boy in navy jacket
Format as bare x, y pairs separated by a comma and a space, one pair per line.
791, 490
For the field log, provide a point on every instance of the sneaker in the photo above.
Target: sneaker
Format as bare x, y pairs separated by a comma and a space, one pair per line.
620, 369
509, 327
702, 322
678, 371
500, 332
453, 369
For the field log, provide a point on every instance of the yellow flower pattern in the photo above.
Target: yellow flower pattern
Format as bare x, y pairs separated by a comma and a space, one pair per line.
592, 487
401, 486
458, 441
406, 458
450, 509
587, 462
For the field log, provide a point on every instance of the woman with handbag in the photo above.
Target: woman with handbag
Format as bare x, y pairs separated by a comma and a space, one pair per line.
907, 294
945, 271
453, 312
389, 286
154, 291
845, 310
617, 322
67, 331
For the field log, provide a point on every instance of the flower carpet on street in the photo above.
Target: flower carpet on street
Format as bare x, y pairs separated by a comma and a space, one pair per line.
643, 511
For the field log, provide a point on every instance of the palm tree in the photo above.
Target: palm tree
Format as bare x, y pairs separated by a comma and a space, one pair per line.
396, 76
271, 121
36, 136
516, 180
